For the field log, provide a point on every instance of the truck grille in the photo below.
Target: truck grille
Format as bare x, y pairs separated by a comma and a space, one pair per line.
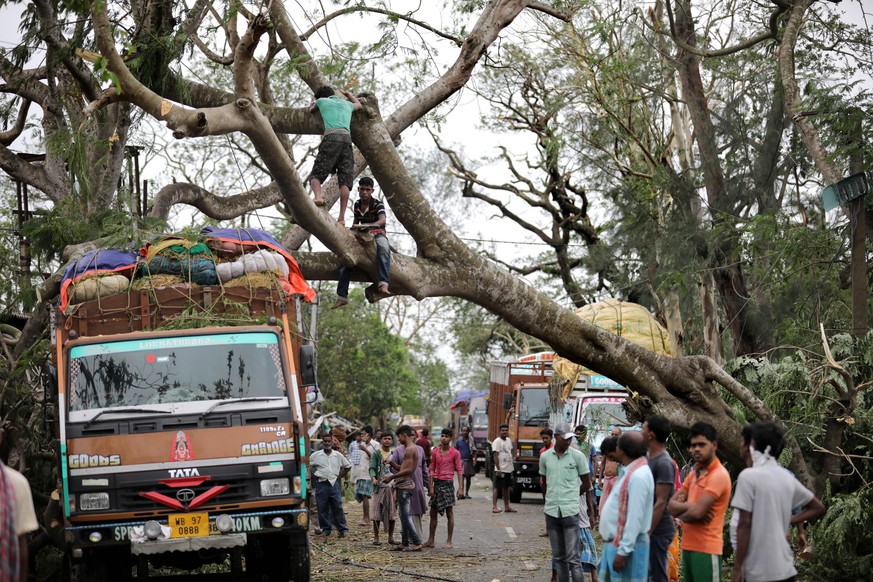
129, 499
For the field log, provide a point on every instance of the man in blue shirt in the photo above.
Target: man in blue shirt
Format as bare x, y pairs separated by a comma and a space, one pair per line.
627, 515
464, 445
561, 469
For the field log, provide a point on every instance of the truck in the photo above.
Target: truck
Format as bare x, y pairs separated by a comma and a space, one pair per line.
479, 432
519, 397
181, 432
469, 409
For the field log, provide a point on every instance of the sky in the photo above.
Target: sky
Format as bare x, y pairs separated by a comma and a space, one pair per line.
459, 130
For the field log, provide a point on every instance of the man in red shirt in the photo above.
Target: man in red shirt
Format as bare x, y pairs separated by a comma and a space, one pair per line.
546, 434
424, 442
445, 462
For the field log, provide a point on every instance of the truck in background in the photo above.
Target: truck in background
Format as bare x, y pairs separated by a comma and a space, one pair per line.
469, 408
182, 437
519, 397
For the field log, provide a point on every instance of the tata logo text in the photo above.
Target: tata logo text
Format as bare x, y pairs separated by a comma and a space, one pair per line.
83, 461
175, 473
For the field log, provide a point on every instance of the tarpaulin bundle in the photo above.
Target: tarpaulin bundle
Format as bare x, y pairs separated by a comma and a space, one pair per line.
93, 263
173, 255
255, 238
466, 396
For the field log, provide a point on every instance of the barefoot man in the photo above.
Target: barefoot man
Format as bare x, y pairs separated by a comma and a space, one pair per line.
445, 462
384, 509
405, 486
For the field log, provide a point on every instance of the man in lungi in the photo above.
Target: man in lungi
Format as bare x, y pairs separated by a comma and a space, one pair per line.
360, 458
627, 515
445, 462
384, 510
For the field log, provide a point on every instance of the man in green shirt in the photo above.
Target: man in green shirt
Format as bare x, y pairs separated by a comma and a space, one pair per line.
562, 470
335, 151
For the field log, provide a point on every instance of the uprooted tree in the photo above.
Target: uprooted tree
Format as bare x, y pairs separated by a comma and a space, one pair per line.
107, 65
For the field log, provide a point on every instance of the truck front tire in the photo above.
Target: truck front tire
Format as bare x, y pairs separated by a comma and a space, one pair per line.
282, 558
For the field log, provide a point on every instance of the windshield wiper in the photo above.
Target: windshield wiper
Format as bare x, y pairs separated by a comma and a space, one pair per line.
232, 400
536, 419
124, 411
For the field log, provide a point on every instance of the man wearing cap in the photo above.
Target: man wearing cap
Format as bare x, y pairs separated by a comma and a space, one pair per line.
561, 469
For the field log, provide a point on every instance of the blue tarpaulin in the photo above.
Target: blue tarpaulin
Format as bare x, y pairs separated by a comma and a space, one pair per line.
467, 396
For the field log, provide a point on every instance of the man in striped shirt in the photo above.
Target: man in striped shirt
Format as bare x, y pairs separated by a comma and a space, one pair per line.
369, 217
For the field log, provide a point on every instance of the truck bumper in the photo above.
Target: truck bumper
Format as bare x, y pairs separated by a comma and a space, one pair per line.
153, 547
527, 475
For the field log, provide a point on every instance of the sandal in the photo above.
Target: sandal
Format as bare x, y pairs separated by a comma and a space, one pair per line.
495, 510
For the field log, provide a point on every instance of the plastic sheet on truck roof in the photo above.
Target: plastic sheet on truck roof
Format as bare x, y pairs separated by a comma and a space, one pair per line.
631, 321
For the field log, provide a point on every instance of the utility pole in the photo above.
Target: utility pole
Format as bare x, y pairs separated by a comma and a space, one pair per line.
859, 237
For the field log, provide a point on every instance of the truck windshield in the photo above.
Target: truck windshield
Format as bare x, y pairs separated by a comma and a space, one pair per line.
602, 415
175, 369
533, 407
480, 419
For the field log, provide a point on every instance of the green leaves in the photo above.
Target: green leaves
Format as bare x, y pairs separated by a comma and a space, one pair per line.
364, 370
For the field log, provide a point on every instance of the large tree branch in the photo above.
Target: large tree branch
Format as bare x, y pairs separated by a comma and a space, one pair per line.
51, 33
303, 61
215, 207
770, 33
30, 174
11, 134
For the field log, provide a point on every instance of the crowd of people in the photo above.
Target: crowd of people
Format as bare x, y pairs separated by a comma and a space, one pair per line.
650, 515
646, 507
390, 482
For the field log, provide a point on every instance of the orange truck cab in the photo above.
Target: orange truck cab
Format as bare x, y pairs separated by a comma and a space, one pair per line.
181, 432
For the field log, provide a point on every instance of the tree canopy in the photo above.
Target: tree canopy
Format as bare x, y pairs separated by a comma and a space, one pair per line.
678, 149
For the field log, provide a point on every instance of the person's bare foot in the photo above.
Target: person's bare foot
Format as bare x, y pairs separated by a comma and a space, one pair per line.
341, 302
341, 220
427, 544
412, 549
448, 545
382, 288
510, 510
319, 202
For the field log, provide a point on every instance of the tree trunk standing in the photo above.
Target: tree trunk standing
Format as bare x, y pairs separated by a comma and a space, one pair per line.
729, 278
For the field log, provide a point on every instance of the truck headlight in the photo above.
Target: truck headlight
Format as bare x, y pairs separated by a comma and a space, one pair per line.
93, 501
273, 487
152, 530
224, 523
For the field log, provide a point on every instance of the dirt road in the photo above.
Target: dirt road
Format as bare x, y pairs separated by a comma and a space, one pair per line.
487, 547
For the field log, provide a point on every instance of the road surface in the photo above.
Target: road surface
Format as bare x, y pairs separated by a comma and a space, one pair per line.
487, 546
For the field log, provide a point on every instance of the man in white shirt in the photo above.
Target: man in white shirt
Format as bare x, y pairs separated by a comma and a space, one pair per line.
764, 497
501, 455
15, 499
328, 468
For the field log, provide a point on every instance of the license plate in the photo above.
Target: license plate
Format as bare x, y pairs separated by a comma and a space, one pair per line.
525, 480
188, 525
